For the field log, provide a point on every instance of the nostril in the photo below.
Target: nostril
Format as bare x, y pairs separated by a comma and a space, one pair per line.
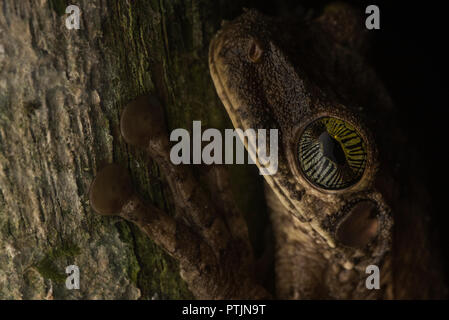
255, 51
360, 226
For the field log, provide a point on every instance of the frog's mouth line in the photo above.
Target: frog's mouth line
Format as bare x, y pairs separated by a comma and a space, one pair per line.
231, 110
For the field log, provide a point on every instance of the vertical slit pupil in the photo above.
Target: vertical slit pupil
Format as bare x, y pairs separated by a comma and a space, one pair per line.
332, 149
332, 154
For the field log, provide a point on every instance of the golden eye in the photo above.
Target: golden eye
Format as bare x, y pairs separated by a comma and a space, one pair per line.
332, 154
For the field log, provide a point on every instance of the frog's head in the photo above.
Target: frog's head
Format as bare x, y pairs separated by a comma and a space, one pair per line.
327, 159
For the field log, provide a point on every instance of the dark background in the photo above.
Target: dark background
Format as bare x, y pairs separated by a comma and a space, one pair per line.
409, 53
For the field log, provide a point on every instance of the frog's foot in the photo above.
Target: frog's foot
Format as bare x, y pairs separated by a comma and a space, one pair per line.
205, 236
143, 125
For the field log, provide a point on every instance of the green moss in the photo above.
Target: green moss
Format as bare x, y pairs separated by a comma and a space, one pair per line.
249, 195
49, 271
126, 236
131, 35
159, 272
47, 267
58, 6
2, 199
153, 271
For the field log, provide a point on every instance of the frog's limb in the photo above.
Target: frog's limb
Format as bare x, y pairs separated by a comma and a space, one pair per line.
142, 124
210, 224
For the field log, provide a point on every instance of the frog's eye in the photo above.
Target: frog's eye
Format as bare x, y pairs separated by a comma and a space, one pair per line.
255, 51
332, 154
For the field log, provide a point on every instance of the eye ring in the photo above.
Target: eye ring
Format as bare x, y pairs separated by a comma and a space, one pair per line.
360, 178
255, 51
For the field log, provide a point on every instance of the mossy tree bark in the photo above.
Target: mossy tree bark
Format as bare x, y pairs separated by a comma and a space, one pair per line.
61, 94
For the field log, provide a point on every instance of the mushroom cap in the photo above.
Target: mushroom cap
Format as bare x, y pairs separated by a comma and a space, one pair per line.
110, 190
141, 120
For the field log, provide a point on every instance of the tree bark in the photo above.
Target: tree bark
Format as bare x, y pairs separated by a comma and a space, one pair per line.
61, 94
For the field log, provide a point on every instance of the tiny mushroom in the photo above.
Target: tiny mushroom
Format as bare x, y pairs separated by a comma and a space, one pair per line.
110, 190
142, 119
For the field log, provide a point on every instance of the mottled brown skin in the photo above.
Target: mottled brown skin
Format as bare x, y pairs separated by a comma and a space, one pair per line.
272, 74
